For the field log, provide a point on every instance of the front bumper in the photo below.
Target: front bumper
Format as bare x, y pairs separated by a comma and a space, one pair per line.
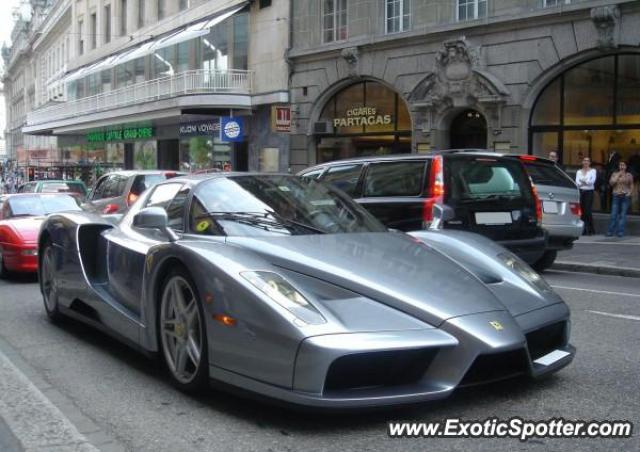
465, 352
20, 258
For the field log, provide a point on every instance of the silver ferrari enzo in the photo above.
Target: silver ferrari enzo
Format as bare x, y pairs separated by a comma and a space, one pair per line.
287, 288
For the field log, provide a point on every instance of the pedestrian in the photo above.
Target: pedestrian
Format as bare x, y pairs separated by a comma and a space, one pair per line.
553, 156
585, 180
621, 186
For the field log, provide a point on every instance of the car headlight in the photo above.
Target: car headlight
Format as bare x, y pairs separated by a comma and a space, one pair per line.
521, 268
285, 294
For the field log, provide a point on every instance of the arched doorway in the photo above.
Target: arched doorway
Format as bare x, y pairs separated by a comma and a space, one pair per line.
363, 119
468, 130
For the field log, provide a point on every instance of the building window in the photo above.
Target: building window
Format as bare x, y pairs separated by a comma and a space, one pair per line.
471, 9
184, 4
397, 15
107, 23
94, 30
334, 20
552, 3
141, 12
161, 11
265, 3
123, 17
80, 37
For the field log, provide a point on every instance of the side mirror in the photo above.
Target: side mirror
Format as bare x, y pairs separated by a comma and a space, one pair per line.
441, 214
154, 218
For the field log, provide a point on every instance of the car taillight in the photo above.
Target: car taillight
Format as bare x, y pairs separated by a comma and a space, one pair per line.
110, 208
170, 174
530, 158
576, 209
538, 202
131, 199
435, 190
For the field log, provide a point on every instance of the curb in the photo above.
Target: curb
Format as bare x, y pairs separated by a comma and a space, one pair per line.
596, 269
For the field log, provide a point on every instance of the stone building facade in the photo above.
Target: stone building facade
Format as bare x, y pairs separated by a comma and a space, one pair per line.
508, 75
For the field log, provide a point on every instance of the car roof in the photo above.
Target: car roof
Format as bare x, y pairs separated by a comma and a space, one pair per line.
195, 179
57, 181
129, 173
18, 195
393, 157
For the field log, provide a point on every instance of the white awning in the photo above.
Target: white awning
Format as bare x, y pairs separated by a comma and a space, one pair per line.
196, 30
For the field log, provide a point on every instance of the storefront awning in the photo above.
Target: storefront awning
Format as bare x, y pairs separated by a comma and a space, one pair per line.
196, 30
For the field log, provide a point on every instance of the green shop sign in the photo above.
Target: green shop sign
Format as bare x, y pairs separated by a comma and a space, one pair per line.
134, 133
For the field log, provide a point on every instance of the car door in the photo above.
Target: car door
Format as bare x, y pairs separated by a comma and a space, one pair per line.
127, 246
393, 191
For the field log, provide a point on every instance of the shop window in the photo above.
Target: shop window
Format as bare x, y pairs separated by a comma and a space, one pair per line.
145, 155
588, 93
471, 9
628, 100
547, 108
334, 20
397, 15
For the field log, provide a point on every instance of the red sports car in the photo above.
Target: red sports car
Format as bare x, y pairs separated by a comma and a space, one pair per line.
20, 219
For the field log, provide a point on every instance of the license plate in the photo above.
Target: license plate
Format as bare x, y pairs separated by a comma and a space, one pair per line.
493, 217
550, 207
551, 358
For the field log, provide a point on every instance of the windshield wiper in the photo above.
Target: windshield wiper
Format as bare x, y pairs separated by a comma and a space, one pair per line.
291, 221
260, 219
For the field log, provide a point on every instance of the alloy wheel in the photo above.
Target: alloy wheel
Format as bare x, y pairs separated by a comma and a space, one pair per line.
47, 281
181, 330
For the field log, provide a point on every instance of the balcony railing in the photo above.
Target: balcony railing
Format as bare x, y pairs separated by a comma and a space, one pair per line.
199, 81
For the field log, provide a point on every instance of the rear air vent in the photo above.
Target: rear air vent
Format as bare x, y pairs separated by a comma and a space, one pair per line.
378, 369
84, 310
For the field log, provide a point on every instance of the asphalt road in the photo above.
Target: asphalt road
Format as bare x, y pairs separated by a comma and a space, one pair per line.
124, 402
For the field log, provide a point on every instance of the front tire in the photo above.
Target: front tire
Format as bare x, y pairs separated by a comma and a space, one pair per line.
182, 332
48, 283
546, 261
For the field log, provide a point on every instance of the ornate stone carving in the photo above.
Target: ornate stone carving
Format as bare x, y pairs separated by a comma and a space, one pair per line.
605, 19
351, 55
457, 81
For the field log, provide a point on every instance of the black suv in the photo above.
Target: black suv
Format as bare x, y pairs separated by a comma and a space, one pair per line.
489, 193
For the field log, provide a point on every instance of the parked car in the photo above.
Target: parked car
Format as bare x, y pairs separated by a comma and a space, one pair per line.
285, 287
489, 193
561, 210
73, 187
115, 192
20, 218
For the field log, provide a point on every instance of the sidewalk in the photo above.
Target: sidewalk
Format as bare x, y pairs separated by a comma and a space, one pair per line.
602, 255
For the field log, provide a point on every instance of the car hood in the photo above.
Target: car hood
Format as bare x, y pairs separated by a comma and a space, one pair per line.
391, 268
25, 229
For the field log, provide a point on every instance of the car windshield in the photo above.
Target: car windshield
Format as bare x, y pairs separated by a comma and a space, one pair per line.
274, 204
41, 205
63, 187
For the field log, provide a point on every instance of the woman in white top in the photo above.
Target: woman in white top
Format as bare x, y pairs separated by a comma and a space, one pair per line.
585, 180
